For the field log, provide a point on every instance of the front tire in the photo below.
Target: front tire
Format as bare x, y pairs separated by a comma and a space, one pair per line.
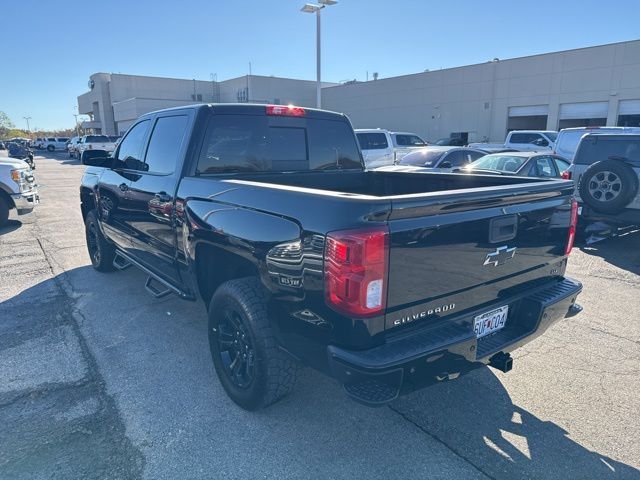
251, 367
101, 252
50, 148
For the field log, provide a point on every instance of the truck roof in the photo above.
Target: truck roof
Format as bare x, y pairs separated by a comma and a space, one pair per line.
246, 108
533, 131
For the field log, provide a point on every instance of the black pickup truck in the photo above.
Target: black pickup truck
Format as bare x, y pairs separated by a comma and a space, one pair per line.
385, 281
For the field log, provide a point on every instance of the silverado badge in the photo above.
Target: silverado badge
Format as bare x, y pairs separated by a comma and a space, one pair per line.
500, 256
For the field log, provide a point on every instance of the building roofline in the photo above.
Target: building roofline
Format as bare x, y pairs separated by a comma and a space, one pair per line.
490, 62
208, 81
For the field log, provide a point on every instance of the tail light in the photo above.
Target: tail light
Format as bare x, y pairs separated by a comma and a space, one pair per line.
573, 224
286, 110
566, 175
355, 271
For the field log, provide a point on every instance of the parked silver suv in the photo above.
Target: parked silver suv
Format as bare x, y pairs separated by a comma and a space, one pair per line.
606, 169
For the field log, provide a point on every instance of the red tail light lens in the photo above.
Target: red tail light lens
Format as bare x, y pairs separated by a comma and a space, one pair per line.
287, 110
566, 175
573, 224
355, 271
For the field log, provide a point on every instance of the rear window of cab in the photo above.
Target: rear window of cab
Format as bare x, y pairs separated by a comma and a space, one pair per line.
260, 143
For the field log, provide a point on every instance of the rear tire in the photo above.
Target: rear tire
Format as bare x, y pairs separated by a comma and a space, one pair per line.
4, 212
251, 367
101, 252
50, 148
608, 186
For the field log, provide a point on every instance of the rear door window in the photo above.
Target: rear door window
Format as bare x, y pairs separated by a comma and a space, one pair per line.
372, 141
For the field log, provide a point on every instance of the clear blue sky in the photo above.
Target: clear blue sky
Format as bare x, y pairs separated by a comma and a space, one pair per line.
51, 48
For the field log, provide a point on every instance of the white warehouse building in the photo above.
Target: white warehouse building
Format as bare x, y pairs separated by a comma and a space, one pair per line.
115, 100
583, 87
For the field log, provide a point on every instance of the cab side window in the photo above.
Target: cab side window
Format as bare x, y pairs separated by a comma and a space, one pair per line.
164, 146
131, 148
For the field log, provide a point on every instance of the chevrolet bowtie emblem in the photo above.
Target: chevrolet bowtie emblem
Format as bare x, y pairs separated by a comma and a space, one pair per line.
500, 256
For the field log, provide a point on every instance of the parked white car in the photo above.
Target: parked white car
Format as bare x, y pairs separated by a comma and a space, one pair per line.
382, 147
522, 141
38, 142
94, 142
72, 146
569, 138
55, 143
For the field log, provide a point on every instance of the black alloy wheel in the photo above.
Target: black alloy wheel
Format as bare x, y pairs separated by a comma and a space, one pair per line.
101, 251
236, 349
93, 244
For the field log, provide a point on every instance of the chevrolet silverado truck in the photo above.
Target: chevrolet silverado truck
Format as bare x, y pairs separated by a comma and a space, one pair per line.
385, 281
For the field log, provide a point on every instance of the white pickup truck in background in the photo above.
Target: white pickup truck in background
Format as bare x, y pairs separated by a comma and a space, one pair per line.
381, 147
522, 141
94, 142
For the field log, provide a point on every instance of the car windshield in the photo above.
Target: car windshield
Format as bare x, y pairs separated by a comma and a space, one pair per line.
97, 138
422, 158
404, 140
498, 163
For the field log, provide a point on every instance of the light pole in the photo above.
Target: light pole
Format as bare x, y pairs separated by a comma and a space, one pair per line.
316, 8
27, 119
75, 115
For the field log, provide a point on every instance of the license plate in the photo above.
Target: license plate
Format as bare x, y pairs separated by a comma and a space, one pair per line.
490, 322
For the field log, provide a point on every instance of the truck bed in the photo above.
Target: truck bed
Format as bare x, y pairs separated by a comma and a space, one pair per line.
386, 184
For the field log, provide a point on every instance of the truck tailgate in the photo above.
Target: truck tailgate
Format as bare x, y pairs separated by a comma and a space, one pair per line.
452, 252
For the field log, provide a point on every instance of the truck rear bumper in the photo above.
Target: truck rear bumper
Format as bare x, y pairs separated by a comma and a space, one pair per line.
449, 349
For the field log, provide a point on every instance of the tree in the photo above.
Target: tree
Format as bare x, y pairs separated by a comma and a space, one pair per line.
5, 121
5, 124
14, 133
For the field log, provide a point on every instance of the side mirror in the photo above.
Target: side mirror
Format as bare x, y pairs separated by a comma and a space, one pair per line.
97, 158
446, 164
541, 142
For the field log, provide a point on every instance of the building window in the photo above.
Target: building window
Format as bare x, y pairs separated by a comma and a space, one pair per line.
629, 120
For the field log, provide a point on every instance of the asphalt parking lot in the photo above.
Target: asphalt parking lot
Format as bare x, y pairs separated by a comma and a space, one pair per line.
99, 380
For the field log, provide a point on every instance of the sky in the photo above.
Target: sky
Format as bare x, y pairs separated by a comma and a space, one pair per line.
51, 48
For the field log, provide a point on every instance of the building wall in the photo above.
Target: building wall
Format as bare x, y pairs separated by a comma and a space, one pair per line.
116, 100
477, 98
